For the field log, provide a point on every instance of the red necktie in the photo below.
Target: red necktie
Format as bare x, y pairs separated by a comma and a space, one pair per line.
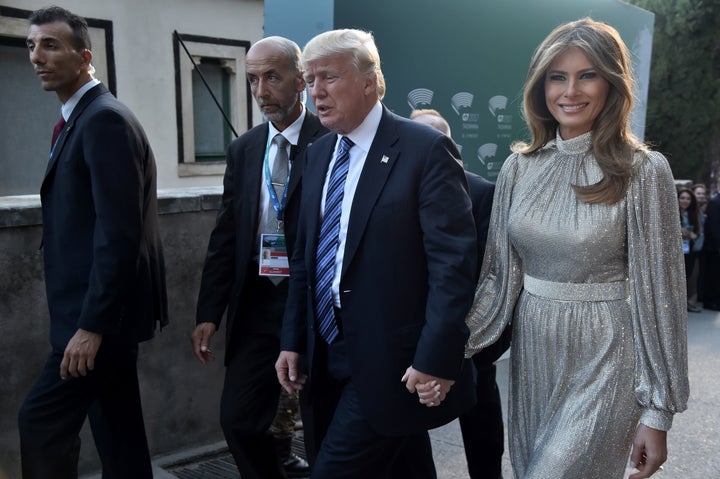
58, 128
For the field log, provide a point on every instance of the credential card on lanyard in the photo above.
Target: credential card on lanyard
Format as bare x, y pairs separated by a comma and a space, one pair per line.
273, 258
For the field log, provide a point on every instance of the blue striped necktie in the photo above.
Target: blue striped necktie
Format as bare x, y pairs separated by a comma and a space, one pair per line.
328, 243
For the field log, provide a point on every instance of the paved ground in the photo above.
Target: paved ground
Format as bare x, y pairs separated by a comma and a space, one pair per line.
694, 441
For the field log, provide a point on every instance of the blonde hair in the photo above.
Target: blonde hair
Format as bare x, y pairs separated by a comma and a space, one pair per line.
360, 44
614, 144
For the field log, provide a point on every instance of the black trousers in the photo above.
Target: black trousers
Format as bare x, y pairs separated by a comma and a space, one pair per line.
482, 427
711, 291
482, 433
54, 411
251, 390
348, 447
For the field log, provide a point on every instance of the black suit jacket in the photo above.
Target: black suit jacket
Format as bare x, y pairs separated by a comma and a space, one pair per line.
104, 269
233, 240
711, 243
481, 194
408, 273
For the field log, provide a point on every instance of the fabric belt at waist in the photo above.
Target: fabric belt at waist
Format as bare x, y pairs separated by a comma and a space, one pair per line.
576, 291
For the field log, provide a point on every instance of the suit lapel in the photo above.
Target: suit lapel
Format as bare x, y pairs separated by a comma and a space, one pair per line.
252, 170
308, 131
379, 162
86, 99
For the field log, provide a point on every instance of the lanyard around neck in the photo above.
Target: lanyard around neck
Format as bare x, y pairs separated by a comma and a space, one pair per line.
278, 206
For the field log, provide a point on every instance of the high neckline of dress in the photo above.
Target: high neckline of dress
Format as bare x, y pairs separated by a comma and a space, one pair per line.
574, 146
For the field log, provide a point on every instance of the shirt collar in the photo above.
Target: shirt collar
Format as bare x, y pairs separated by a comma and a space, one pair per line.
291, 133
364, 134
72, 102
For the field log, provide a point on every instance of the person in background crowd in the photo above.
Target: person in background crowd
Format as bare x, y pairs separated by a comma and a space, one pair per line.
104, 267
696, 280
482, 426
584, 258
259, 210
691, 229
382, 274
711, 254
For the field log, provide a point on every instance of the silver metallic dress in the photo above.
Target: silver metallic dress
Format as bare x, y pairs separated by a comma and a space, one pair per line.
596, 295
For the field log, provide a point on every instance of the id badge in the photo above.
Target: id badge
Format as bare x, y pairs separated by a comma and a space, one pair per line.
686, 246
273, 256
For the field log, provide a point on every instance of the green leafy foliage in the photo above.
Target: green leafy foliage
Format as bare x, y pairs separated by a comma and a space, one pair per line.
683, 115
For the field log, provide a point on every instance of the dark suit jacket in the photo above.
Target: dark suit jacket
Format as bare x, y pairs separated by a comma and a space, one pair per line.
481, 194
233, 240
408, 273
711, 243
104, 269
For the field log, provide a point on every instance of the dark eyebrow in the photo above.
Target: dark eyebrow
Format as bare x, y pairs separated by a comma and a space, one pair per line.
45, 39
585, 70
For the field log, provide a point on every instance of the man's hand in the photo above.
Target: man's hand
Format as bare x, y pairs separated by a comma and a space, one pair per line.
649, 451
80, 352
431, 390
286, 367
201, 341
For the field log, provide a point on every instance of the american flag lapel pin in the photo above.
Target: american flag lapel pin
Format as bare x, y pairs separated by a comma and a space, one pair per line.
384, 159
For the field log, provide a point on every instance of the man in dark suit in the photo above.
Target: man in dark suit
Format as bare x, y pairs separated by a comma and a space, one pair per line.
383, 270
232, 276
104, 271
482, 426
711, 252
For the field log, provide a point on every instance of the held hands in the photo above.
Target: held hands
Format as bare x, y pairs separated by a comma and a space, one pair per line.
649, 451
286, 367
431, 390
79, 356
201, 341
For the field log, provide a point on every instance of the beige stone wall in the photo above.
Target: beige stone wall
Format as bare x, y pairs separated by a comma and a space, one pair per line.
180, 396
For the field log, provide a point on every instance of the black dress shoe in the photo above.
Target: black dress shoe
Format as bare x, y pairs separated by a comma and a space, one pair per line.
712, 306
295, 466
693, 308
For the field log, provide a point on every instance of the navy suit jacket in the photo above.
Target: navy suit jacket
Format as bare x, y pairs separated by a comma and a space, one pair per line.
711, 242
233, 240
408, 273
481, 194
104, 269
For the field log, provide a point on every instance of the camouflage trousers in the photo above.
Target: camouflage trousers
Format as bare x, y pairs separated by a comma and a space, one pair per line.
283, 425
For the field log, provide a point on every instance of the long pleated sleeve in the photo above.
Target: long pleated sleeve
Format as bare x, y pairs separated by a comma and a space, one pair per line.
501, 277
657, 292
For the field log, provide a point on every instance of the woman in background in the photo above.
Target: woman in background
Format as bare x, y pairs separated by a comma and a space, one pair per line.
583, 257
690, 228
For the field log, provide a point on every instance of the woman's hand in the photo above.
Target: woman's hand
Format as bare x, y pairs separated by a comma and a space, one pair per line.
649, 451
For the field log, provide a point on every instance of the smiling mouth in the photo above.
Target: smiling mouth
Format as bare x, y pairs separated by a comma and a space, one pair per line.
573, 107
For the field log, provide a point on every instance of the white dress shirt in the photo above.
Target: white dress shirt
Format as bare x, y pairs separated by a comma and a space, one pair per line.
69, 106
292, 135
363, 137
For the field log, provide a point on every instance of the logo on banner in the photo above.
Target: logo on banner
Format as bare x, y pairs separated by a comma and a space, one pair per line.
420, 98
486, 152
462, 102
497, 106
